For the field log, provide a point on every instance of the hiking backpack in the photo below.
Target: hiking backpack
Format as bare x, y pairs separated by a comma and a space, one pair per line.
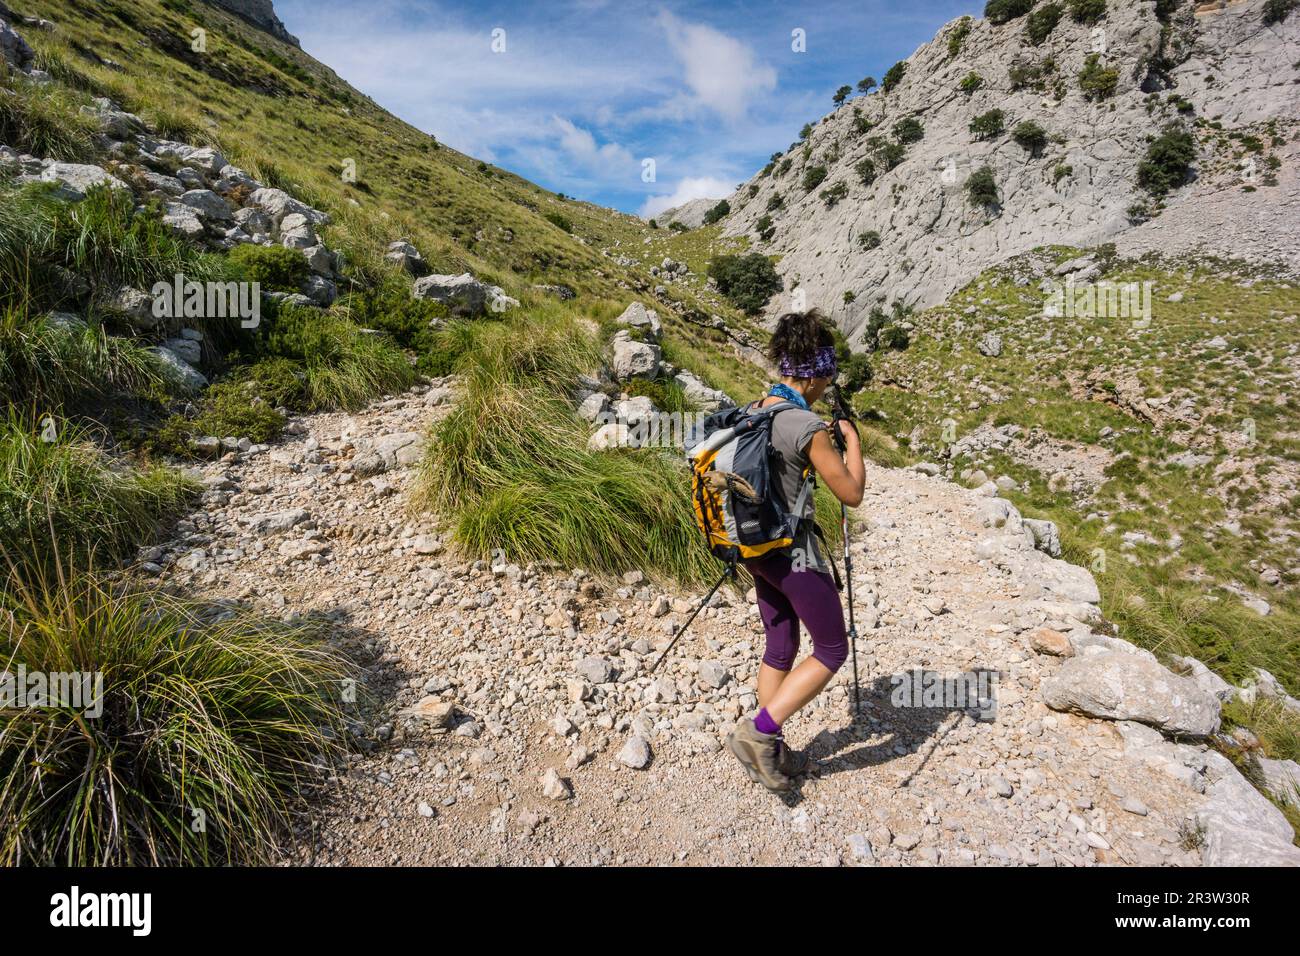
738, 503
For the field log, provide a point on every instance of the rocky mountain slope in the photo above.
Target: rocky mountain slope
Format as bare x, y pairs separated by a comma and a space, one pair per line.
260, 13
507, 714
908, 230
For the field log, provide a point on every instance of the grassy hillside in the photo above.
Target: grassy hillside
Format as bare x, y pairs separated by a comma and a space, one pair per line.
1167, 453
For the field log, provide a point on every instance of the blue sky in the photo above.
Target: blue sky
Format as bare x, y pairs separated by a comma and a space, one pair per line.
578, 93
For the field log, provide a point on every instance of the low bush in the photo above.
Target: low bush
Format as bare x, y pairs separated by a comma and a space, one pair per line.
747, 281
1167, 162
276, 268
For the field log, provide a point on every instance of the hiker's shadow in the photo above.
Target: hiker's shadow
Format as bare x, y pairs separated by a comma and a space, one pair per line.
890, 725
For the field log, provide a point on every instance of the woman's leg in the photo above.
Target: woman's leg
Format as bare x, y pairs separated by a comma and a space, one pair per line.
781, 626
816, 601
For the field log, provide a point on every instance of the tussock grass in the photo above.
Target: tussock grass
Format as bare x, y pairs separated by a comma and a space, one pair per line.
214, 724
101, 239
510, 467
44, 120
47, 366
67, 492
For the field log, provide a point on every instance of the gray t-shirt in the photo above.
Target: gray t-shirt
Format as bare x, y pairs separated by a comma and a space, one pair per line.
792, 434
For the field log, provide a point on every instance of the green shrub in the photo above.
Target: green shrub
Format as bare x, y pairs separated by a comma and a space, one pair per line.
717, 212
277, 268
813, 177
676, 226
667, 394
888, 154
971, 82
1275, 11
345, 367
64, 495
958, 36
1030, 137
1087, 11
1004, 11
894, 337
747, 281
842, 94
775, 201
1041, 22
559, 221
209, 715
1096, 81
765, 228
411, 323
1168, 160
868, 240
866, 171
894, 76
831, 195
909, 130
982, 188
988, 124
855, 373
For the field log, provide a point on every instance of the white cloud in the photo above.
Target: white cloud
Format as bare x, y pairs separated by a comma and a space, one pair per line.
580, 145
722, 73
692, 187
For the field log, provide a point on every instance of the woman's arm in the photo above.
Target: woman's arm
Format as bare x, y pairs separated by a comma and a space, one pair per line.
845, 477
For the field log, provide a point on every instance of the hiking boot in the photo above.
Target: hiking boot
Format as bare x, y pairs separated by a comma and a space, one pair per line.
759, 754
792, 762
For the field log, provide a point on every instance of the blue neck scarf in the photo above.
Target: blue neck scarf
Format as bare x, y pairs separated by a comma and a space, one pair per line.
784, 391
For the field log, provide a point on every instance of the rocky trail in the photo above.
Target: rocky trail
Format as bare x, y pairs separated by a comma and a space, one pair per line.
513, 720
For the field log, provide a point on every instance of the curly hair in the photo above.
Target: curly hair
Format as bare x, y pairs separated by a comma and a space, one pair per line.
798, 336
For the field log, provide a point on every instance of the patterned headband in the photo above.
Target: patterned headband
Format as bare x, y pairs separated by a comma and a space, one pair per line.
822, 366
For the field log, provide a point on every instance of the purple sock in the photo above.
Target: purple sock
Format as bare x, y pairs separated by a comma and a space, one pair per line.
764, 723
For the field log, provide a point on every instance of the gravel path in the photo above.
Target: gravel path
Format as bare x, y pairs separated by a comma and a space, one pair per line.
544, 672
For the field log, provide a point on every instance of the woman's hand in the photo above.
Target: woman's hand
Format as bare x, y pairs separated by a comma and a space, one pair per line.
846, 477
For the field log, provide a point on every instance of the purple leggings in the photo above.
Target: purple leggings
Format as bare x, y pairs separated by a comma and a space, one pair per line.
787, 596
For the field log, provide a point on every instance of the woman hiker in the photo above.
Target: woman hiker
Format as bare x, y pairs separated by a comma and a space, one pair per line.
794, 584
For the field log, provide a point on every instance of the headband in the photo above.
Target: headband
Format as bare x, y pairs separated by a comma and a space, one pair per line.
823, 365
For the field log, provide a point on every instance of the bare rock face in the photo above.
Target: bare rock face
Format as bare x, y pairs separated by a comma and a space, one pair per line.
261, 14
1078, 187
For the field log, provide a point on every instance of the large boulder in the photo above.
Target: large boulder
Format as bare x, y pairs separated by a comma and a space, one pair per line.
1118, 686
179, 372
208, 205
297, 232
633, 358
404, 255
277, 204
76, 179
207, 161
463, 293
637, 316
700, 395
183, 220
1239, 826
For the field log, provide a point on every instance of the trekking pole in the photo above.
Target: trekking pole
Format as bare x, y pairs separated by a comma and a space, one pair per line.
842, 412
728, 572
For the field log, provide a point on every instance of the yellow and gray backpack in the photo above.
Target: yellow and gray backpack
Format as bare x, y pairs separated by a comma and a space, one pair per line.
738, 502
